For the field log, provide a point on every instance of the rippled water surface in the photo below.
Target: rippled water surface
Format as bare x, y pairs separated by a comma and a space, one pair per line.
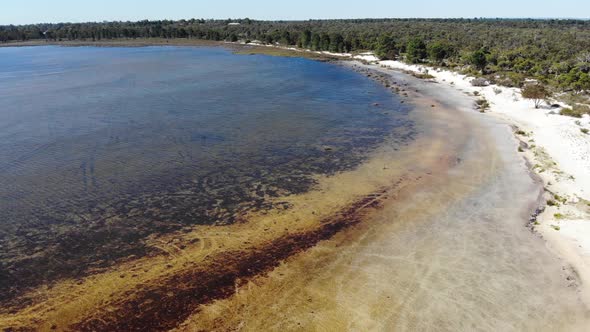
102, 147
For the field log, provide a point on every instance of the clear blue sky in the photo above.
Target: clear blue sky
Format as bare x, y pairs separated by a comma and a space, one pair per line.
36, 11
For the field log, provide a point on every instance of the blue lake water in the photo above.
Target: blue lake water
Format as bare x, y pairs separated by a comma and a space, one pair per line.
101, 147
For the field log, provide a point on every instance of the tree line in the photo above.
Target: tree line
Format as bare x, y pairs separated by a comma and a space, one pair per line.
555, 52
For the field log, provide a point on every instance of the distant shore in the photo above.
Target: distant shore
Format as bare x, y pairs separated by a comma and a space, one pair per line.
238, 48
123, 42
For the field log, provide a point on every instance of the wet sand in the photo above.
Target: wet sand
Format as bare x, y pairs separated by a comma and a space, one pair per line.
452, 253
429, 237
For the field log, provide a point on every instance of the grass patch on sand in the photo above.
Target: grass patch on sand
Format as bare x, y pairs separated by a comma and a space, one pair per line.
482, 105
423, 76
576, 111
560, 199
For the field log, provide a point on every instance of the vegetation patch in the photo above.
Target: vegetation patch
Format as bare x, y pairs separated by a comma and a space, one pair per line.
423, 76
535, 92
482, 105
577, 111
560, 199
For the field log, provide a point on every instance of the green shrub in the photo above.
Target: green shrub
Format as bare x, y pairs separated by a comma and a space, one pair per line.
479, 60
536, 92
415, 50
560, 199
569, 112
423, 76
482, 105
576, 111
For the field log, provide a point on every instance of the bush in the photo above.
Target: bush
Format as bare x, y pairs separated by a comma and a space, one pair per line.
511, 80
570, 112
536, 92
415, 50
560, 199
479, 60
423, 76
438, 51
386, 49
482, 105
577, 111
584, 130
480, 82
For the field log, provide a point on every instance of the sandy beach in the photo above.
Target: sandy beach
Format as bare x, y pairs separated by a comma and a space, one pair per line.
556, 150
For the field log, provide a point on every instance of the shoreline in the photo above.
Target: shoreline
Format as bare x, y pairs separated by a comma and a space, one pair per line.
384, 273
563, 215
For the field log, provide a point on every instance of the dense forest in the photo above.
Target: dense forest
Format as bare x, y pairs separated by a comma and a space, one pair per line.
555, 52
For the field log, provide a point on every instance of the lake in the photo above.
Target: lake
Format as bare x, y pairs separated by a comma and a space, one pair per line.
101, 148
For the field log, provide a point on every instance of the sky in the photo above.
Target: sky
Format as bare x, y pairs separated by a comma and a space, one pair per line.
44, 11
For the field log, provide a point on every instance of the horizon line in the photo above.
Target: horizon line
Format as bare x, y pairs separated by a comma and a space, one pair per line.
310, 19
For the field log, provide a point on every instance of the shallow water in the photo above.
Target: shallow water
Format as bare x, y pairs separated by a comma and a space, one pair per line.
451, 253
102, 147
